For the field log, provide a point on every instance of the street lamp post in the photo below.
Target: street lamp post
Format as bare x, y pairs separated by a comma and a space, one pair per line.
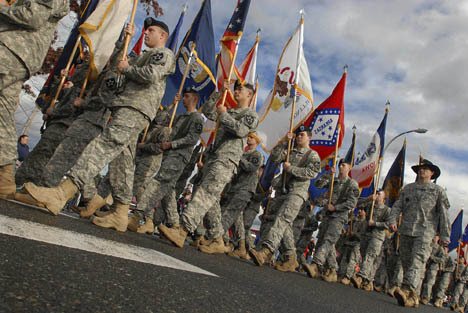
418, 130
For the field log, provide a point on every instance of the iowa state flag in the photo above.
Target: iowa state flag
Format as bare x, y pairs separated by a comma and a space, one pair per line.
325, 121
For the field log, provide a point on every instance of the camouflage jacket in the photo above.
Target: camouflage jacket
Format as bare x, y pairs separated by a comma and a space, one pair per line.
305, 165
358, 228
234, 126
247, 175
145, 81
381, 217
461, 273
157, 133
27, 29
424, 211
345, 195
437, 255
185, 135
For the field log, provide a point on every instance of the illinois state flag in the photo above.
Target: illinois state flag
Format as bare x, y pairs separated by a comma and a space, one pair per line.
325, 121
366, 164
276, 112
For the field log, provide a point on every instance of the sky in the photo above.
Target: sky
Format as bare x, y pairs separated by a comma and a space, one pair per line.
411, 52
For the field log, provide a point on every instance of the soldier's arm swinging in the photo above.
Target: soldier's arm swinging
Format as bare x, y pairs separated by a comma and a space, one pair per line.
31, 15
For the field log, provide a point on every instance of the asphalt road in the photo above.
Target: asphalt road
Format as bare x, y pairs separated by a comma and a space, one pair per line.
39, 276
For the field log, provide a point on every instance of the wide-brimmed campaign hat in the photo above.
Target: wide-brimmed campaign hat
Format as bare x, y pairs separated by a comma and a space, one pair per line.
430, 165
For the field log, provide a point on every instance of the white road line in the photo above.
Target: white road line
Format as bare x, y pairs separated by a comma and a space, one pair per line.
66, 238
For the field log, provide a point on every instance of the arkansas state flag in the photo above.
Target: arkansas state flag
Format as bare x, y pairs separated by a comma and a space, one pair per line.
325, 121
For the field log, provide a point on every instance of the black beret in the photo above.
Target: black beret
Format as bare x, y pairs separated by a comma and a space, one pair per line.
149, 21
190, 89
239, 84
302, 128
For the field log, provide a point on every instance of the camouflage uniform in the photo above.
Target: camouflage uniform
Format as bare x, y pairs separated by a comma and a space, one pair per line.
26, 32
234, 126
344, 198
241, 189
185, 134
250, 212
284, 208
424, 212
435, 262
460, 279
446, 273
351, 252
372, 238
310, 226
188, 170
131, 112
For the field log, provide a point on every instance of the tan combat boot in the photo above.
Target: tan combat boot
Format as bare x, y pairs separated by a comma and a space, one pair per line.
196, 242
289, 265
7, 181
391, 291
260, 257
330, 276
133, 222
147, 227
403, 297
367, 285
215, 247
438, 303
26, 198
356, 281
240, 251
204, 241
424, 300
345, 281
55, 198
176, 235
312, 270
93, 205
378, 288
117, 220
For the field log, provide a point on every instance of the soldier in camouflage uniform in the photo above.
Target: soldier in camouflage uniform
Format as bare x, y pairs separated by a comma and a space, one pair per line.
424, 206
131, 112
310, 226
446, 273
344, 198
460, 280
225, 154
351, 253
435, 262
188, 170
292, 190
26, 32
58, 120
372, 239
177, 152
241, 190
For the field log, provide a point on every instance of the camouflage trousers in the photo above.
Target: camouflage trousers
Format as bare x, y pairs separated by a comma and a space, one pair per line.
147, 165
116, 147
217, 174
429, 280
232, 210
249, 215
370, 250
163, 186
33, 167
290, 239
394, 270
12, 75
442, 285
414, 253
282, 211
329, 233
458, 295
349, 258
77, 137
301, 245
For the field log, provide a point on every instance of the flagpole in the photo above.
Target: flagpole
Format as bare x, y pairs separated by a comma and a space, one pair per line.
379, 165
293, 106
128, 37
459, 247
254, 100
354, 145
334, 165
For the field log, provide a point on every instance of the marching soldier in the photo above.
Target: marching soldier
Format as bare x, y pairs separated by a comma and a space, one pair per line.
26, 32
424, 207
446, 274
344, 198
292, 190
435, 262
461, 279
131, 112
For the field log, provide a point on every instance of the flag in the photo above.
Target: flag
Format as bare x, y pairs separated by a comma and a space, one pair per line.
275, 114
366, 165
314, 191
465, 235
394, 180
456, 232
201, 75
229, 43
325, 120
174, 37
349, 158
136, 50
269, 172
44, 98
102, 29
368, 191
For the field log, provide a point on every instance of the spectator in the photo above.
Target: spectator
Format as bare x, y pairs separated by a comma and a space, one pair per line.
23, 148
